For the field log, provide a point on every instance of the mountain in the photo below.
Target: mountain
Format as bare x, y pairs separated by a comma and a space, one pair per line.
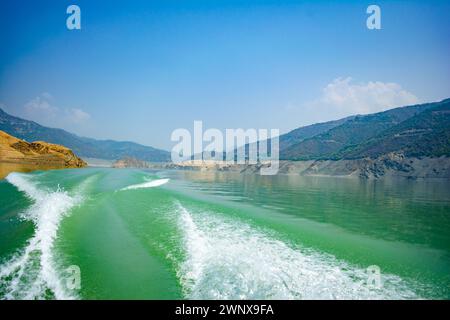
297, 135
414, 131
331, 145
84, 147
426, 134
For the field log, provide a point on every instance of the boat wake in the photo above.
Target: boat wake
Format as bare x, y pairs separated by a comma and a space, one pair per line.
148, 184
229, 259
33, 274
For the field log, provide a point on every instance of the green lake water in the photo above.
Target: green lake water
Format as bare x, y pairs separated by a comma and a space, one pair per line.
136, 234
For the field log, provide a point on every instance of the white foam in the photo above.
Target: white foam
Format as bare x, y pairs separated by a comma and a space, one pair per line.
30, 274
149, 184
229, 259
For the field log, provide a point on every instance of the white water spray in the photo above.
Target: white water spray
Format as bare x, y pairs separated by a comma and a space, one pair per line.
148, 184
229, 259
32, 273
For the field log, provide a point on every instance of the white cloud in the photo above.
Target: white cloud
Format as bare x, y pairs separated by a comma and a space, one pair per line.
345, 97
77, 115
43, 110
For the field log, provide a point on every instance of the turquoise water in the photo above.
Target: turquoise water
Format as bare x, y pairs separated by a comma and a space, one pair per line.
137, 234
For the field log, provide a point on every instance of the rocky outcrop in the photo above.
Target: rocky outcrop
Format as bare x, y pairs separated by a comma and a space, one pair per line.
389, 165
35, 155
398, 165
130, 162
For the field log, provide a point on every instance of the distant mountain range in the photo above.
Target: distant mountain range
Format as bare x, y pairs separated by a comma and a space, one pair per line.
83, 147
412, 131
419, 130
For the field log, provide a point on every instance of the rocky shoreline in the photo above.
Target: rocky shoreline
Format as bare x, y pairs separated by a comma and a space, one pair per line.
22, 156
390, 165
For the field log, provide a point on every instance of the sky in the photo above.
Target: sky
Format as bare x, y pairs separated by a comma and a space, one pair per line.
137, 70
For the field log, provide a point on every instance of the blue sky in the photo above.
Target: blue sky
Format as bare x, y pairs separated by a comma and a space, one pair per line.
137, 70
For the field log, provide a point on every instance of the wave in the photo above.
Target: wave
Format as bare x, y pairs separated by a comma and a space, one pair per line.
31, 274
229, 259
149, 184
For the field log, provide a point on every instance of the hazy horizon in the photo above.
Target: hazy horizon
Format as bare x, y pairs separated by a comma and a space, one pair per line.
281, 133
